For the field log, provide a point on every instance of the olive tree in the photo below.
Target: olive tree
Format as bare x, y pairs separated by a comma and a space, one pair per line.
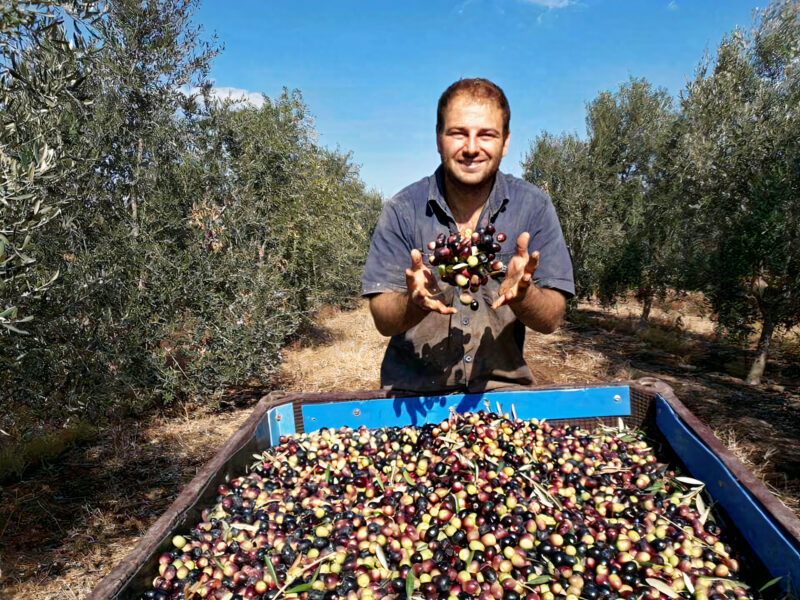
629, 132
608, 191
42, 85
191, 237
560, 165
741, 171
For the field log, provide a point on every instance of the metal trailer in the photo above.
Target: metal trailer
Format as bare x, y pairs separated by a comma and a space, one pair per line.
771, 531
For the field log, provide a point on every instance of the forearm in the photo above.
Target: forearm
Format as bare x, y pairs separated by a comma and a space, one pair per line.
541, 309
394, 313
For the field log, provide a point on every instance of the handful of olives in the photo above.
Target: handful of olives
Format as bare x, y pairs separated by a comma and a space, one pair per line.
468, 260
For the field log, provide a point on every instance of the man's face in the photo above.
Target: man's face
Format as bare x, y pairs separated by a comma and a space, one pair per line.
472, 143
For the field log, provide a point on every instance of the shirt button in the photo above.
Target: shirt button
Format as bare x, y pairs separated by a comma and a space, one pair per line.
465, 321
467, 359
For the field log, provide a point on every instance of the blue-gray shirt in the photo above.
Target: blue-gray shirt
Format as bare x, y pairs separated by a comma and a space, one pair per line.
474, 350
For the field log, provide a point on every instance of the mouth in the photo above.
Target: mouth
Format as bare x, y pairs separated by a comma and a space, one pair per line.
471, 165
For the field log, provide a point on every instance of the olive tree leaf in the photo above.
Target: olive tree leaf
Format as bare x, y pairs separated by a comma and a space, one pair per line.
409, 584
662, 586
769, 584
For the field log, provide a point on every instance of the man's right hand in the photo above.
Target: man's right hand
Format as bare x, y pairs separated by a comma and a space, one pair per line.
422, 288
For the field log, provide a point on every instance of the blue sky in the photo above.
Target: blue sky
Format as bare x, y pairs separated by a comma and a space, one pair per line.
371, 72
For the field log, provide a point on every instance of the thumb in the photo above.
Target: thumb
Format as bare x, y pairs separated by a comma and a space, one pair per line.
522, 244
416, 260
533, 262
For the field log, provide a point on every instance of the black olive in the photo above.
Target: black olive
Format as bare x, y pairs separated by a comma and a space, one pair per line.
442, 583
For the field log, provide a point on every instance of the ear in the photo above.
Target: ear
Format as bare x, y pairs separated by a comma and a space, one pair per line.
438, 142
505, 143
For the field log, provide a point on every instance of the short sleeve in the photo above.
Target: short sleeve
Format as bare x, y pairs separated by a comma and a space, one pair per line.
389, 250
555, 264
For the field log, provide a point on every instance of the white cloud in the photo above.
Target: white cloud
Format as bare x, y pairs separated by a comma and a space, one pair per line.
550, 3
238, 96
672, 5
243, 96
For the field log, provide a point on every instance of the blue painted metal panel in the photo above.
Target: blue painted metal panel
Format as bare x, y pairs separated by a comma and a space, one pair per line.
768, 540
280, 421
540, 404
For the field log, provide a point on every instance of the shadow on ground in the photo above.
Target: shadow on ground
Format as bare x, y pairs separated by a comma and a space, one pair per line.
65, 526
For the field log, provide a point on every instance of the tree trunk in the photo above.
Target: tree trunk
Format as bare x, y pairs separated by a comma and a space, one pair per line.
647, 304
134, 203
757, 368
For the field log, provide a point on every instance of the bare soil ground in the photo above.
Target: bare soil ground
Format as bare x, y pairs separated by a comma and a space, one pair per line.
63, 527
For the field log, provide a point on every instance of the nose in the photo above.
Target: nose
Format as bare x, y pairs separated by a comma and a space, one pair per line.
471, 144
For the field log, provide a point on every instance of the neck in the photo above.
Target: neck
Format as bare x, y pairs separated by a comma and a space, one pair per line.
465, 200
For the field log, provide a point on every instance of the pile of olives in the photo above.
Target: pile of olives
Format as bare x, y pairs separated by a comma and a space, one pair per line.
480, 506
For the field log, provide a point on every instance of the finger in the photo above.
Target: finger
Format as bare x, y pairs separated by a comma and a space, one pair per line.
498, 303
533, 263
439, 306
431, 279
416, 260
522, 244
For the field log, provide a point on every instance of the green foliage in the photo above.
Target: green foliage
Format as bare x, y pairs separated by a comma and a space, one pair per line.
606, 190
629, 131
191, 236
41, 88
562, 167
741, 168
704, 197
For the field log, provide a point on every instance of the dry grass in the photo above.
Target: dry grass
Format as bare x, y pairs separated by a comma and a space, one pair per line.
688, 312
350, 361
556, 359
760, 463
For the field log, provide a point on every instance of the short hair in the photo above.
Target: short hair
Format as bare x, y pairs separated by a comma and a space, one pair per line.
478, 89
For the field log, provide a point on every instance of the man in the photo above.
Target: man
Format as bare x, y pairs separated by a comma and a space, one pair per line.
439, 344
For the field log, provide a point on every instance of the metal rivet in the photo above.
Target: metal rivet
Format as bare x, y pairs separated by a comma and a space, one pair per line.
617, 398
357, 412
277, 417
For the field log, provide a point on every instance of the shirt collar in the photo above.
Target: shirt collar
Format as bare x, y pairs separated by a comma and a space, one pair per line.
497, 197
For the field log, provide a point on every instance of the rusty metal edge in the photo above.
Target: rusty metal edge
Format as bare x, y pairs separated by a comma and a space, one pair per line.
787, 519
128, 566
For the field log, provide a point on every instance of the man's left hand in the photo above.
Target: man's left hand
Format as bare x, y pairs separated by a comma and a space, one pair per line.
518, 274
